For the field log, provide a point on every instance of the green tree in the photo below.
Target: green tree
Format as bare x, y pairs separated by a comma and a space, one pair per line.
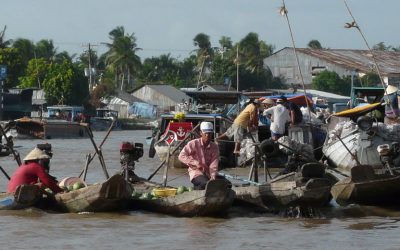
381, 47
35, 73
45, 48
65, 84
3, 42
204, 54
370, 79
26, 49
12, 59
314, 44
331, 82
253, 52
121, 58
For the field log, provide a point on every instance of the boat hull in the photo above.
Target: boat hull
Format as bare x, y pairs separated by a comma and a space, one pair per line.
383, 190
215, 200
108, 196
24, 196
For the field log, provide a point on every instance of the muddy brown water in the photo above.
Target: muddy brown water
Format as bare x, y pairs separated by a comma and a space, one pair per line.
352, 227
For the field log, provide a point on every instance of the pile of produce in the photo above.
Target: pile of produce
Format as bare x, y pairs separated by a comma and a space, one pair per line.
152, 195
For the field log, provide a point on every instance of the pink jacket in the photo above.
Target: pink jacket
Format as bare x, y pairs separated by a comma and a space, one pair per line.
195, 152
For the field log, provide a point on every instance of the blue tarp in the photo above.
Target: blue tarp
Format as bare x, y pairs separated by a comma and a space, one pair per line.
142, 109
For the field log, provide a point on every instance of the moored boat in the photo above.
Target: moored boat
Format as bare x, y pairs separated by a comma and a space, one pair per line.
307, 187
62, 122
110, 195
215, 200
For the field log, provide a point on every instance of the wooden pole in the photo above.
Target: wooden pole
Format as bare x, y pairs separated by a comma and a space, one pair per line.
5, 173
88, 157
101, 145
165, 175
98, 151
173, 151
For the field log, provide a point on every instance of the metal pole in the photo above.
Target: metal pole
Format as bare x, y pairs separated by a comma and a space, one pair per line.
1, 99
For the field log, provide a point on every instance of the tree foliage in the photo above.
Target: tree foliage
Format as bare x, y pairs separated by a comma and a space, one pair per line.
330, 81
12, 59
314, 44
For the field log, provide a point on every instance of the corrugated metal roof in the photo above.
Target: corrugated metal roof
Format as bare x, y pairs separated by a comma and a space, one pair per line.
388, 61
170, 91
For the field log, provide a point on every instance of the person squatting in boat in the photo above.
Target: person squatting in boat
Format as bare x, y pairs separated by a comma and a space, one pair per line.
36, 167
202, 157
246, 121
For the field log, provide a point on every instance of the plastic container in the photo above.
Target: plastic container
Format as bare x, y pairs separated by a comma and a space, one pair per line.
164, 192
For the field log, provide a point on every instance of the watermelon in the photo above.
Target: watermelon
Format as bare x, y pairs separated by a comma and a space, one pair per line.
181, 190
77, 185
190, 189
135, 195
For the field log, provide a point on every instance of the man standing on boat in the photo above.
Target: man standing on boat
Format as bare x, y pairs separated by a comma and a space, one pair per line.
202, 157
36, 167
279, 117
246, 121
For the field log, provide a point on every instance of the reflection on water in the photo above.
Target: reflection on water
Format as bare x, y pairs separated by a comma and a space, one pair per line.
352, 227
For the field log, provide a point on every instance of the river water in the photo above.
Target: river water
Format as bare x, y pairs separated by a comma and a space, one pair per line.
352, 227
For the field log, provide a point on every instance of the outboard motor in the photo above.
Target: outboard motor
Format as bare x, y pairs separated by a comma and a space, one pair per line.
129, 153
390, 155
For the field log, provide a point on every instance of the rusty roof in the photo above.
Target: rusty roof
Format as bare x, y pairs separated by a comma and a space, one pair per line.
361, 60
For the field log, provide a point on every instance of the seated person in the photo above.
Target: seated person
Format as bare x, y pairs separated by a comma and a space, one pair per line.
36, 167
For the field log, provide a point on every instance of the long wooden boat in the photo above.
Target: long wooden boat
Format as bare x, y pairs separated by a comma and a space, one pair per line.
215, 200
110, 195
24, 196
306, 188
366, 187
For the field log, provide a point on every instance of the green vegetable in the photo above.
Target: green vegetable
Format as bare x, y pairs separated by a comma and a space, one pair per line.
146, 196
77, 186
135, 194
70, 188
181, 190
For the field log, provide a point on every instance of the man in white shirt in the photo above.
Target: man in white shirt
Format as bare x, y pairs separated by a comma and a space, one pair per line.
279, 117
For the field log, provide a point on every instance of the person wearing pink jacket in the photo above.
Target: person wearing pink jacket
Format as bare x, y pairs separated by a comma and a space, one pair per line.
202, 157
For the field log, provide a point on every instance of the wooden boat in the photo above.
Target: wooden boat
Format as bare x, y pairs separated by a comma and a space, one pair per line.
305, 188
365, 186
24, 196
63, 125
216, 199
170, 134
103, 120
110, 195
361, 142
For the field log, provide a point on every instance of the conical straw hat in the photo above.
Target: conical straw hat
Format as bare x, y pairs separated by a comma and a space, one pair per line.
391, 89
36, 154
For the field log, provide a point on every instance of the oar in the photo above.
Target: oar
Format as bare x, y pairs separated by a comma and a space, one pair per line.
173, 151
101, 144
10, 145
5, 173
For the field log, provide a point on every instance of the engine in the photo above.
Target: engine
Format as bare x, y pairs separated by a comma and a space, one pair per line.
129, 154
390, 155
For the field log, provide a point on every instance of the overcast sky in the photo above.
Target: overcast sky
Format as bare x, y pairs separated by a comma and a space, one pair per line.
169, 26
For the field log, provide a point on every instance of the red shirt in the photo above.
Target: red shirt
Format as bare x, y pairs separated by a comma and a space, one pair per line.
29, 174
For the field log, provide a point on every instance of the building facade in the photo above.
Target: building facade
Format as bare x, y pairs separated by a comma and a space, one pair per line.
342, 61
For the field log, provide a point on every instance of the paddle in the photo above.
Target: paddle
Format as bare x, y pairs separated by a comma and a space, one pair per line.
5, 173
173, 151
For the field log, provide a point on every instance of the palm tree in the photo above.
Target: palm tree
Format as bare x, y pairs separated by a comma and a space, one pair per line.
314, 44
204, 53
121, 58
4, 43
45, 49
254, 52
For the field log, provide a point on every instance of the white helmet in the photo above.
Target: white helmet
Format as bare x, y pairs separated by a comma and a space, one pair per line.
206, 127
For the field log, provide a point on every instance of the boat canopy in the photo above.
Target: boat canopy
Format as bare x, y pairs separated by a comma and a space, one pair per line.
294, 98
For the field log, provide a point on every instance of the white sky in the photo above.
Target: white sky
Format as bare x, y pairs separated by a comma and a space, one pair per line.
169, 26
